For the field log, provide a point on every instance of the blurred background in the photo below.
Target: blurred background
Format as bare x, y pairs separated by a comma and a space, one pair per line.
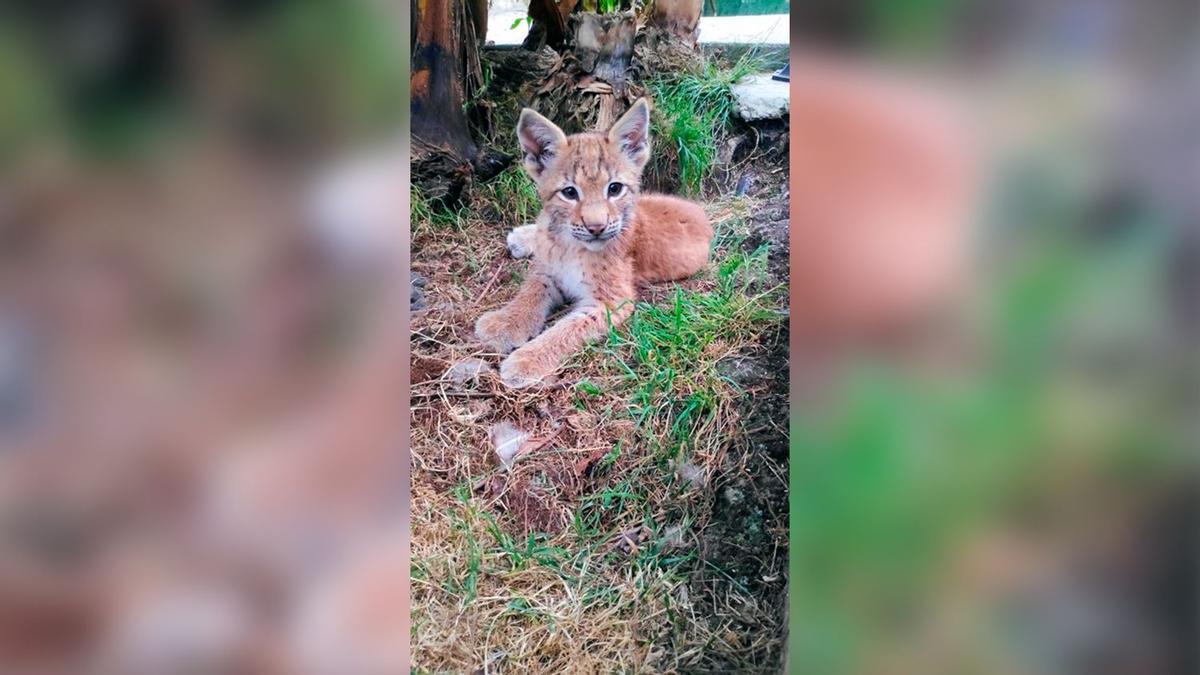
995, 418
202, 217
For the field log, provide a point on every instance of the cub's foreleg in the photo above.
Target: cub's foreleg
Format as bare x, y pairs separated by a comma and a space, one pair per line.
543, 355
523, 317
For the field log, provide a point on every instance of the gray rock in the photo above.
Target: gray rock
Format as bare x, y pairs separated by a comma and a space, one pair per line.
733, 496
467, 370
758, 97
416, 296
674, 537
744, 370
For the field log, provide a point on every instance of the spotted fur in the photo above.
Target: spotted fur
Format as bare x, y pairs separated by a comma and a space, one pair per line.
595, 239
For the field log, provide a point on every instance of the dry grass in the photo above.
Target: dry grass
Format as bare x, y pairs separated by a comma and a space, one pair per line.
590, 554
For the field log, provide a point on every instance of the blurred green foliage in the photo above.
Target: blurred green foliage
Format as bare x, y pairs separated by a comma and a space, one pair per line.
744, 7
909, 25
338, 57
307, 70
28, 112
899, 468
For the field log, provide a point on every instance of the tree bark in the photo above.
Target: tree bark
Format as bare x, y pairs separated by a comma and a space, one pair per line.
441, 66
549, 23
445, 72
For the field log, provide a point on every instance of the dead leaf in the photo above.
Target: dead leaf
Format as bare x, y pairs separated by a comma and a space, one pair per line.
598, 88
627, 542
583, 466
491, 487
581, 420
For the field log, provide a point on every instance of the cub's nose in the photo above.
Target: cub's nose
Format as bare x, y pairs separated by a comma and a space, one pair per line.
596, 229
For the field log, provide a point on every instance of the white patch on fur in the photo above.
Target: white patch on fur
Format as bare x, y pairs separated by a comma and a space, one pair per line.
520, 240
568, 276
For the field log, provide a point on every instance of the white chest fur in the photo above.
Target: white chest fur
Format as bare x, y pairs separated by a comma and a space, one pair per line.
562, 264
568, 275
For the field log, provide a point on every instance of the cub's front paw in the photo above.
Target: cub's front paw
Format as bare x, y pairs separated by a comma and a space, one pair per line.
498, 330
526, 368
520, 241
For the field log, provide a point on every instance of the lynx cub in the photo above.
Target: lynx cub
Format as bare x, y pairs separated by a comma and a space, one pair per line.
595, 239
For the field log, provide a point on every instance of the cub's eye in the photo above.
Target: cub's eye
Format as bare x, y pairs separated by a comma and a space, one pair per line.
570, 193
615, 189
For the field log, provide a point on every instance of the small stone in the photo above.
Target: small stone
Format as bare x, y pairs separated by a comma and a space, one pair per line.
743, 185
682, 596
416, 294
733, 496
471, 412
629, 540
467, 370
725, 156
744, 371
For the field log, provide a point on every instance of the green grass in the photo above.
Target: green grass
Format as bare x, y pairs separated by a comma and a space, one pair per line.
605, 6
663, 353
658, 371
514, 196
693, 111
664, 363
426, 214
511, 197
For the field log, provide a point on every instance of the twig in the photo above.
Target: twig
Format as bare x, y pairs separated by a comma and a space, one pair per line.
459, 394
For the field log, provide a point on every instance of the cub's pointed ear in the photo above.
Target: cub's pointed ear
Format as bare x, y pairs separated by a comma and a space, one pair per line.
541, 142
631, 133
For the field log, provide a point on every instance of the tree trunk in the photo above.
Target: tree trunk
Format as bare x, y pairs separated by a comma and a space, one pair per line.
479, 15
549, 23
445, 73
